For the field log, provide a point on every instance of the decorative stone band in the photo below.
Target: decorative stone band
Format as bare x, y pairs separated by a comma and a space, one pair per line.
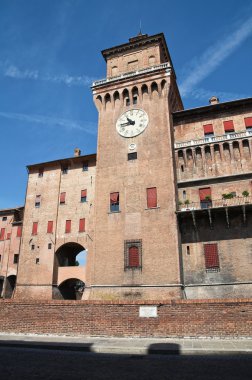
133, 73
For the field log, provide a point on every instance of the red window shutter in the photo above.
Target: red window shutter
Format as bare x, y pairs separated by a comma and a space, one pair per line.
208, 128
133, 257
8, 236
114, 198
50, 227
152, 197
2, 233
68, 226
228, 126
19, 231
35, 228
83, 193
211, 256
62, 197
248, 122
82, 225
205, 192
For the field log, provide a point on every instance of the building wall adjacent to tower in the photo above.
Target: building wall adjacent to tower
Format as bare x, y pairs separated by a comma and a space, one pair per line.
213, 159
58, 225
10, 239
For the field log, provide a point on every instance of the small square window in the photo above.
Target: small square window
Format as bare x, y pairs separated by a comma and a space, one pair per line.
41, 173
49, 245
32, 247
64, 169
37, 204
132, 156
4, 218
15, 259
37, 260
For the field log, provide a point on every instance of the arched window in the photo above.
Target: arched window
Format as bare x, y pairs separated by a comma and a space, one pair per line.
152, 60
114, 71
126, 100
135, 95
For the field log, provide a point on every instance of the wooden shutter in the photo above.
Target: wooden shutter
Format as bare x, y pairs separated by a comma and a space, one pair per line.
50, 227
35, 228
68, 226
19, 231
211, 256
2, 233
205, 192
133, 257
228, 126
82, 225
152, 197
62, 197
114, 198
248, 122
208, 128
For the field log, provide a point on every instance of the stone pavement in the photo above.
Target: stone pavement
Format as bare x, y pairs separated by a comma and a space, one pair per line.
130, 346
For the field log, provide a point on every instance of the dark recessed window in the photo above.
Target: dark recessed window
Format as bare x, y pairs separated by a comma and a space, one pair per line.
15, 259
4, 218
188, 250
85, 166
49, 245
37, 201
132, 156
41, 172
127, 102
37, 261
182, 168
64, 169
32, 247
134, 99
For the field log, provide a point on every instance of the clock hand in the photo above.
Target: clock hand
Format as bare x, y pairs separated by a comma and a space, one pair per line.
132, 122
125, 124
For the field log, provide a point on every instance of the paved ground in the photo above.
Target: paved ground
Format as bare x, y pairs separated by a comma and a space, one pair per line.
136, 346
42, 364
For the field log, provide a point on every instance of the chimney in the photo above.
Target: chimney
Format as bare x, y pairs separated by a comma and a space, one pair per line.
214, 100
77, 152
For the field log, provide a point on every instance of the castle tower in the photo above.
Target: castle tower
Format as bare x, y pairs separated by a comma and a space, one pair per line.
136, 236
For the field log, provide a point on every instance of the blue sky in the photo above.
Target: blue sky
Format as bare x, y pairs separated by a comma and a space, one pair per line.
50, 54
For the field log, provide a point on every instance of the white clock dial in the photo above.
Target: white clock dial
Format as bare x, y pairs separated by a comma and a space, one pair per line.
132, 122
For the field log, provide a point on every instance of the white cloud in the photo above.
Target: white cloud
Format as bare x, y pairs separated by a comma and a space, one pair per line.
202, 66
87, 127
12, 71
203, 94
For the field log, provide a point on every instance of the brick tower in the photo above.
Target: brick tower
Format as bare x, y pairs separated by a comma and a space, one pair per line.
136, 235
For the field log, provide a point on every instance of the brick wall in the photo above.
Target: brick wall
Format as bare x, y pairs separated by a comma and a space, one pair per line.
195, 318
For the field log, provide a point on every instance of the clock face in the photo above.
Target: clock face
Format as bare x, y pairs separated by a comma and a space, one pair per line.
132, 122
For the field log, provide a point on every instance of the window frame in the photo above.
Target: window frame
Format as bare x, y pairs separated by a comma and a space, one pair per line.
127, 245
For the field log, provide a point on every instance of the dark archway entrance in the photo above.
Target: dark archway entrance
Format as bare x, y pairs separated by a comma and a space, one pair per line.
71, 289
1, 285
10, 286
67, 253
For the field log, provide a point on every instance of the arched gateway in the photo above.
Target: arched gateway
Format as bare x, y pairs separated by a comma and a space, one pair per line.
69, 271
